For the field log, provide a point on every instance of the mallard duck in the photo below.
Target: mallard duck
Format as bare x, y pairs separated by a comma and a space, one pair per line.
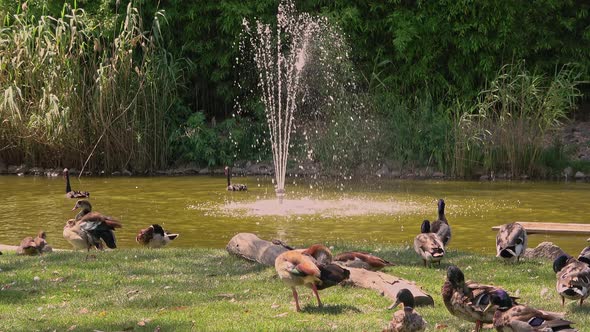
441, 225
428, 245
298, 267
85, 206
92, 227
73, 193
520, 318
34, 246
511, 242
467, 299
585, 255
361, 260
154, 237
235, 186
406, 319
573, 278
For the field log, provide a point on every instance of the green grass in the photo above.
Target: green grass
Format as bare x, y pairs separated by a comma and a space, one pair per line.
209, 290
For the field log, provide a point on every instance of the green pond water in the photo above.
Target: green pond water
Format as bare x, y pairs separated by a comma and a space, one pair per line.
382, 212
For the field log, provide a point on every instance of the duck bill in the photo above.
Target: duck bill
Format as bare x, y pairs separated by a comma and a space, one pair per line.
394, 305
488, 307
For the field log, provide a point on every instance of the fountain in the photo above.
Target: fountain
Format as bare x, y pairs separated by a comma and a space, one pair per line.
281, 56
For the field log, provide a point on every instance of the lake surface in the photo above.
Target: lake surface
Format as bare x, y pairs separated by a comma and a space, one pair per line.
382, 212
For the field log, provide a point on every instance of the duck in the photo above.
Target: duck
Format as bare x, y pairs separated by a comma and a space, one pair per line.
234, 186
406, 319
510, 316
154, 237
89, 229
441, 225
311, 268
428, 245
361, 260
511, 242
73, 193
85, 207
573, 278
34, 246
585, 255
467, 299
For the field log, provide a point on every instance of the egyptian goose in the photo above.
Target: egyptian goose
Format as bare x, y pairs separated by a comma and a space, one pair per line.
406, 319
511, 242
89, 229
34, 246
309, 267
73, 193
428, 245
154, 237
441, 225
235, 186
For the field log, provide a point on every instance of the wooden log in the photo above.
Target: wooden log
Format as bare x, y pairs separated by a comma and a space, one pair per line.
251, 247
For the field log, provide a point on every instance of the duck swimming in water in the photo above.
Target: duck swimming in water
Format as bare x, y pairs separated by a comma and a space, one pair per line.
234, 186
73, 193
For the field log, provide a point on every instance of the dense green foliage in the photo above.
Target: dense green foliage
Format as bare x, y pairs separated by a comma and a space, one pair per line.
163, 90
208, 290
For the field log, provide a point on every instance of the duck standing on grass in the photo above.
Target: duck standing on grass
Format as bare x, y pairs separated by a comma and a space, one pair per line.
520, 318
235, 186
511, 242
309, 267
573, 278
88, 230
154, 237
467, 299
428, 245
406, 319
441, 225
73, 193
34, 246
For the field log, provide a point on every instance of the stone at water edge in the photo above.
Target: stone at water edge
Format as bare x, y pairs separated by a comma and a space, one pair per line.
546, 250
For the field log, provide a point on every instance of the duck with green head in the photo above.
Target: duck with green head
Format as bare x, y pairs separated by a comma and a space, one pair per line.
406, 319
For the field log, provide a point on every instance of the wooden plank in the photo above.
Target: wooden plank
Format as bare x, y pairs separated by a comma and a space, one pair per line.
552, 228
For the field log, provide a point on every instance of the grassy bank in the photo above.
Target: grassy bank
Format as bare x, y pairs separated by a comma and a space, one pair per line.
208, 290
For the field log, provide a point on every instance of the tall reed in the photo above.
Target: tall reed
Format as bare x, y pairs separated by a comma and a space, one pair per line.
71, 96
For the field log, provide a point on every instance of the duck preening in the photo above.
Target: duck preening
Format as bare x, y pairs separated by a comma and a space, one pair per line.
90, 229
362, 260
467, 299
73, 193
585, 255
511, 242
309, 267
510, 316
406, 319
428, 245
234, 186
573, 278
441, 225
154, 237
34, 246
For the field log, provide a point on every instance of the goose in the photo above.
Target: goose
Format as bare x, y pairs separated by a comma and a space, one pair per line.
154, 237
428, 245
406, 319
511, 242
510, 316
573, 278
34, 246
362, 260
73, 193
88, 230
85, 207
441, 225
467, 299
235, 186
302, 267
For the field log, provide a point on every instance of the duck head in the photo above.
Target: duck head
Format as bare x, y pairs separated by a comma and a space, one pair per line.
82, 204
560, 262
455, 276
70, 223
441, 207
403, 296
501, 299
425, 228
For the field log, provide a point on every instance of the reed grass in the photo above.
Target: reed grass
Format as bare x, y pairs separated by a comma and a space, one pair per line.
71, 95
209, 290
